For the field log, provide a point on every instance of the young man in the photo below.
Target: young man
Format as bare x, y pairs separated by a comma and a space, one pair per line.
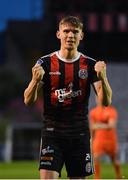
66, 76
104, 137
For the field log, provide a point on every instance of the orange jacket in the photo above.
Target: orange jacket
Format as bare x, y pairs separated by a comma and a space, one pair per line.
104, 116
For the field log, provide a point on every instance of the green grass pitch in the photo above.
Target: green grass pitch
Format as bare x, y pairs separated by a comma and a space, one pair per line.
29, 170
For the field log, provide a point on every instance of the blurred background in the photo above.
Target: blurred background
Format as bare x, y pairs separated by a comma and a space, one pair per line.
27, 32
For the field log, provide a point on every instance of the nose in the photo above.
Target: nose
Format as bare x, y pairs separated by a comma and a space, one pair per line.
71, 34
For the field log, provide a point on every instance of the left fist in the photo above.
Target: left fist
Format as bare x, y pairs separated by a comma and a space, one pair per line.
100, 68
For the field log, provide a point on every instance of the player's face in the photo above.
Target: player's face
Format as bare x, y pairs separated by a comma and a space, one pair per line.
69, 36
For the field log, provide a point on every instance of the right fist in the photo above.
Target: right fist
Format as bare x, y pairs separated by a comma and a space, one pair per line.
37, 73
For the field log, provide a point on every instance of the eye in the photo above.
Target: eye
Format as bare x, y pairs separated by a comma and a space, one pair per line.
66, 31
75, 31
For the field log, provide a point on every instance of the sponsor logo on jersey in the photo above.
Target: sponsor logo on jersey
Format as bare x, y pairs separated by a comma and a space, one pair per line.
67, 93
47, 158
46, 163
83, 74
50, 129
47, 150
54, 73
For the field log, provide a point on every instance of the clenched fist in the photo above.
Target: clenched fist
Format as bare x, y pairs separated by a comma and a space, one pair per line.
100, 68
37, 73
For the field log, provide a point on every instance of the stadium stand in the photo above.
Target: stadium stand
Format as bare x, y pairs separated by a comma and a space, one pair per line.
106, 26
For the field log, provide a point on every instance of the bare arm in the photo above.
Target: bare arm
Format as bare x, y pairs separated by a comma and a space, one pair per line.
102, 87
31, 92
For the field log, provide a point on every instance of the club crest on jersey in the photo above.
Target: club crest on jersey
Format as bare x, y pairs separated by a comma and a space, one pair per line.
83, 74
88, 167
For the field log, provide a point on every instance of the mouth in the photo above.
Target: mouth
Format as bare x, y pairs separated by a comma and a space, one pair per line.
70, 42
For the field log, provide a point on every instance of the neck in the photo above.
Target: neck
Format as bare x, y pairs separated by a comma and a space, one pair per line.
66, 54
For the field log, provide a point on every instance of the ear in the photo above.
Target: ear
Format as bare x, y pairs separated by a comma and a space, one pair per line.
58, 34
81, 36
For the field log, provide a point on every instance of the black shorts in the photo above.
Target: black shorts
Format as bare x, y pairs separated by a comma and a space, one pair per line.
73, 152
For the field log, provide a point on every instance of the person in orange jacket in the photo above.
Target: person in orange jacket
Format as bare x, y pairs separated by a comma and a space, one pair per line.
103, 122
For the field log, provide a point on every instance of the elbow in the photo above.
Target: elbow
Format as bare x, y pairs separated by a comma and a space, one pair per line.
25, 99
26, 102
29, 98
29, 102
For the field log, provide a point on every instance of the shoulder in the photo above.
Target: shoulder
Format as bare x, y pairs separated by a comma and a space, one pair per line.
45, 58
48, 55
112, 111
90, 59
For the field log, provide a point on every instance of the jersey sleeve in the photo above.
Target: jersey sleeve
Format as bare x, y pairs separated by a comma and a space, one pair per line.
93, 74
40, 61
113, 113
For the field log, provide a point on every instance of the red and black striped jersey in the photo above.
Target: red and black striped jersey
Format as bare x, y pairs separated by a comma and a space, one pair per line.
66, 90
